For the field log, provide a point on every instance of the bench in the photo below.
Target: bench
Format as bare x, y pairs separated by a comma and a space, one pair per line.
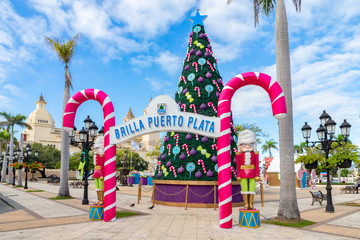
317, 197
349, 189
76, 184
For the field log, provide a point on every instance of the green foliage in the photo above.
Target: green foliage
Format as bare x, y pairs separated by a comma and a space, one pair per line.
254, 128
48, 155
125, 214
187, 96
296, 223
137, 161
74, 161
312, 155
269, 144
61, 198
349, 151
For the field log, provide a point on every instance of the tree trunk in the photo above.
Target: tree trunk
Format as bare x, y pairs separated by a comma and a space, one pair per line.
65, 143
10, 179
42, 172
288, 207
21, 146
4, 166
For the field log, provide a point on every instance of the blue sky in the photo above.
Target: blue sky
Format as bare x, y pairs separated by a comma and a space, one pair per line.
133, 50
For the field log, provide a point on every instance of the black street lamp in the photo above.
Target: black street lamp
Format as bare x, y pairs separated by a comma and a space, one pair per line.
84, 142
27, 155
1, 162
15, 157
325, 134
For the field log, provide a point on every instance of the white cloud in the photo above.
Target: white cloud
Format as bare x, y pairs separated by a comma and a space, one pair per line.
14, 90
169, 62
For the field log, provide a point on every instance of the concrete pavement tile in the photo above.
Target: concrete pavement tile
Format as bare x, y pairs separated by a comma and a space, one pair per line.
338, 230
351, 220
15, 216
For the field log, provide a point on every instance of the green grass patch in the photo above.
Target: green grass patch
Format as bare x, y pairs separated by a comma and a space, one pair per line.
18, 186
61, 198
125, 214
296, 223
324, 183
352, 204
34, 190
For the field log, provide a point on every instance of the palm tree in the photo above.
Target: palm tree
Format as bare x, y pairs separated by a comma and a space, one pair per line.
9, 123
269, 144
288, 207
4, 140
300, 148
65, 52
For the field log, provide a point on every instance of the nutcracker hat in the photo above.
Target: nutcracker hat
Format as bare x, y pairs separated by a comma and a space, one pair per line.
99, 142
247, 137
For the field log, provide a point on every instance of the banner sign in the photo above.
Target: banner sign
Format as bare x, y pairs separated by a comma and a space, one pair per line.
163, 114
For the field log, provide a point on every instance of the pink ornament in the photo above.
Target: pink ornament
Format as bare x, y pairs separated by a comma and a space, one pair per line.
203, 106
196, 137
185, 146
208, 75
209, 51
210, 104
193, 106
217, 86
201, 79
198, 53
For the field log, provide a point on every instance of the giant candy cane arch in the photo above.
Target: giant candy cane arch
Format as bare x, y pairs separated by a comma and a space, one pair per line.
110, 150
278, 105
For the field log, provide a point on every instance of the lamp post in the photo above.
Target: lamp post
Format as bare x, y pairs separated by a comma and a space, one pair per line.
325, 134
15, 157
85, 143
27, 155
1, 162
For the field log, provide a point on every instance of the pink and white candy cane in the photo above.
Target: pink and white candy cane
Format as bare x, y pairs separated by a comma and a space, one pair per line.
169, 148
172, 168
209, 51
196, 66
209, 63
210, 104
194, 107
232, 126
207, 38
190, 41
200, 161
198, 90
159, 164
184, 107
185, 146
110, 150
278, 105
183, 78
233, 170
217, 86
214, 146
188, 57
176, 136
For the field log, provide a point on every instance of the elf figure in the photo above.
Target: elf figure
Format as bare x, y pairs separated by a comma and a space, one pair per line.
99, 169
247, 166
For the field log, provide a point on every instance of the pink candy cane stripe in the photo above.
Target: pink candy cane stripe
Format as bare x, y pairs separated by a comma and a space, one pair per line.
169, 148
190, 41
172, 168
187, 149
196, 66
194, 107
217, 86
202, 163
232, 126
233, 170
188, 57
212, 105
223, 142
198, 90
110, 150
176, 136
209, 63
208, 50
184, 107
183, 78
214, 146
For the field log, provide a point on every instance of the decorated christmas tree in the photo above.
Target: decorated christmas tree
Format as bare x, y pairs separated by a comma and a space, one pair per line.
186, 156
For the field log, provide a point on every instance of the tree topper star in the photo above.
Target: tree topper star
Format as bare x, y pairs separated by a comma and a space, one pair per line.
198, 19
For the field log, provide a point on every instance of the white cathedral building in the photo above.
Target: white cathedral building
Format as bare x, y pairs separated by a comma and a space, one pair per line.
44, 131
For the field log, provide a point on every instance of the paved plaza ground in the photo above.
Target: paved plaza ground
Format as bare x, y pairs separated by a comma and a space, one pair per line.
32, 215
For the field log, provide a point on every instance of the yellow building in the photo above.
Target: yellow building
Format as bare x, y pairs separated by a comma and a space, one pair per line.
44, 131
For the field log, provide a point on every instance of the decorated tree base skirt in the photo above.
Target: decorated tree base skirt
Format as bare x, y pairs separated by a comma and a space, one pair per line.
192, 193
96, 212
249, 218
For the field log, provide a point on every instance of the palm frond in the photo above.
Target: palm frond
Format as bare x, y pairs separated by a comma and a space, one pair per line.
297, 4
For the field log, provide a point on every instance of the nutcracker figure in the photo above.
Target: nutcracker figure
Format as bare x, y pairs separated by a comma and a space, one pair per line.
247, 166
99, 169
